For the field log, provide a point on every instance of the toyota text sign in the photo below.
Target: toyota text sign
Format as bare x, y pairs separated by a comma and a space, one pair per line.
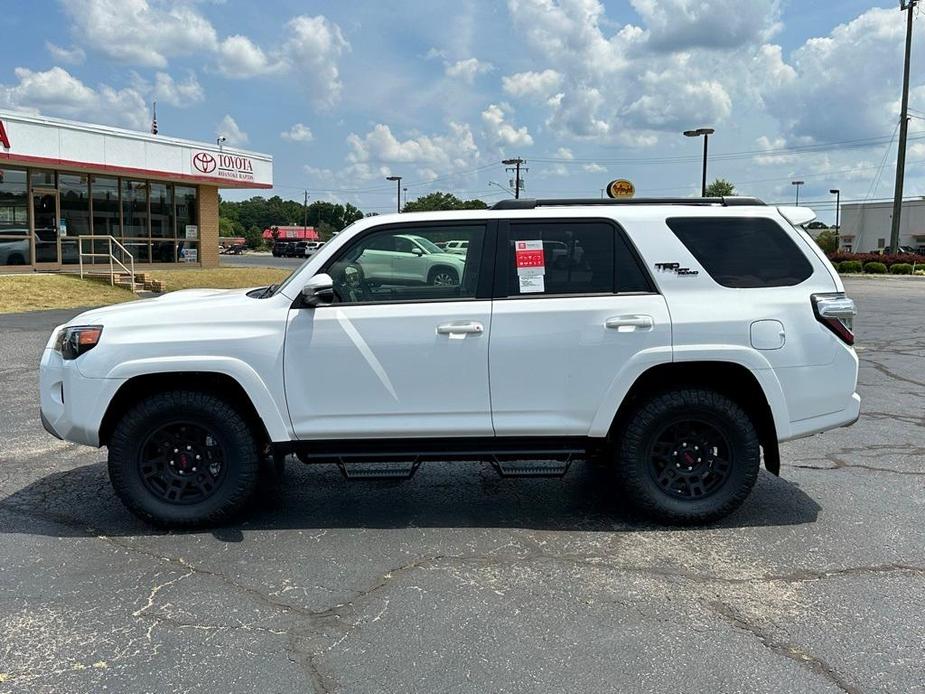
222, 165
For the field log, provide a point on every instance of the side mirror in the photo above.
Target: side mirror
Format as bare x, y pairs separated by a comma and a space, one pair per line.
417, 251
319, 290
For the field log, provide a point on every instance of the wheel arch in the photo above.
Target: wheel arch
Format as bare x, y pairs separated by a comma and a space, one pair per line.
729, 378
213, 382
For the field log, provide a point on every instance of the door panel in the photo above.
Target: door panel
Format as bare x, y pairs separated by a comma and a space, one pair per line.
554, 360
402, 370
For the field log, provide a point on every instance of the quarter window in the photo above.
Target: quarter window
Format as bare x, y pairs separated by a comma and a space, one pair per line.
406, 264
743, 252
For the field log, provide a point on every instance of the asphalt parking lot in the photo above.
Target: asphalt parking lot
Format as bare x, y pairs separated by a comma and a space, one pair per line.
254, 260
460, 581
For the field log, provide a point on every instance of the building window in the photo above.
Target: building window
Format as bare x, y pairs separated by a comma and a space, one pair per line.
187, 223
74, 201
881, 243
134, 209
42, 178
15, 247
106, 218
162, 226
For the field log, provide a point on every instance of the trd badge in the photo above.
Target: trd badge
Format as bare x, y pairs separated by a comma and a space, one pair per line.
676, 268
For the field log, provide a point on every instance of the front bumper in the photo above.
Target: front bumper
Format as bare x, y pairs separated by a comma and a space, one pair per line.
72, 405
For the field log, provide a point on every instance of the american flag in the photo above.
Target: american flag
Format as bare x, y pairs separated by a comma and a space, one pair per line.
154, 119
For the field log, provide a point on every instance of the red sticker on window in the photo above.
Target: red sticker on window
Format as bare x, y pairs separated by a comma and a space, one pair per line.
529, 254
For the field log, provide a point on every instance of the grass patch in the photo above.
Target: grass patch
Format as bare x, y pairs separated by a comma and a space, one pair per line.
19, 293
40, 292
219, 278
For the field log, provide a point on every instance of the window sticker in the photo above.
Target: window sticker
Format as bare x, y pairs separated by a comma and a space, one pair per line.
531, 266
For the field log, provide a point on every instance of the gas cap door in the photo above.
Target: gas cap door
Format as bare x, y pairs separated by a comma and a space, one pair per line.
768, 334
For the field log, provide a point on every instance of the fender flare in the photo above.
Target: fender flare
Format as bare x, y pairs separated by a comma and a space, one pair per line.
277, 423
642, 362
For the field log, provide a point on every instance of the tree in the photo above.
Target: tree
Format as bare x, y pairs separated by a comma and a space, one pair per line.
720, 188
442, 201
827, 240
253, 237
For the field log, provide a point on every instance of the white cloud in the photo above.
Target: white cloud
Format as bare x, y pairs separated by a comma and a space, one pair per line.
298, 133
564, 153
594, 168
539, 85
139, 32
467, 70
372, 154
59, 92
74, 55
312, 51
844, 85
240, 58
500, 132
229, 129
179, 94
678, 25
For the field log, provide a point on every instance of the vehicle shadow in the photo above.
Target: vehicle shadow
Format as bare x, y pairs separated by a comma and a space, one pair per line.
80, 503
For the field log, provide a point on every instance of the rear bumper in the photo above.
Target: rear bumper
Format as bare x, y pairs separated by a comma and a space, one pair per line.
832, 420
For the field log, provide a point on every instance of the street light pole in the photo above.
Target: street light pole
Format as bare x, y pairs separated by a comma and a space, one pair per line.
705, 132
837, 193
797, 185
908, 6
397, 180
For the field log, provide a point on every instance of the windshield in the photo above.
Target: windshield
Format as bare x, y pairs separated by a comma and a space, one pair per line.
426, 244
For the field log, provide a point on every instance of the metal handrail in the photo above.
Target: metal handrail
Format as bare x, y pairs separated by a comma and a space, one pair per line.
113, 260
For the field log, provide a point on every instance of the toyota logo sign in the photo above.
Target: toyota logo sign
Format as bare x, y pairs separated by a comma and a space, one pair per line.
204, 162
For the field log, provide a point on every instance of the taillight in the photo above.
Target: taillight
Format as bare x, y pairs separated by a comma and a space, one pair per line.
836, 312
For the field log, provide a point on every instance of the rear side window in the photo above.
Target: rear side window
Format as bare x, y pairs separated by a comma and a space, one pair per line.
570, 257
743, 252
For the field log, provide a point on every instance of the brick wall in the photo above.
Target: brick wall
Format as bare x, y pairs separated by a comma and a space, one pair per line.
208, 226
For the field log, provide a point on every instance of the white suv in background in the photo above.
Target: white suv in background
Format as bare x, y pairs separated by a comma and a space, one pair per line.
677, 340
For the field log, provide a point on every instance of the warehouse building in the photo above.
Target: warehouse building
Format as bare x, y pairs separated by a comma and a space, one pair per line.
866, 226
66, 188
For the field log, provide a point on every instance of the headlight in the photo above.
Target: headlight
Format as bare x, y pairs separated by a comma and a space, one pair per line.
74, 340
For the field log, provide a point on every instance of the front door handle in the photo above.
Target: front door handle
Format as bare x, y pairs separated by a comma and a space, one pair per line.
460, 328
630, 323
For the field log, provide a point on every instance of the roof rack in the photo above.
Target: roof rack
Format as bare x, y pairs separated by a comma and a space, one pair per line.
532, 203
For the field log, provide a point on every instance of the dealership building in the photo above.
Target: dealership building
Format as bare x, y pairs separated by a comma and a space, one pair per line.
866, 226
67, 187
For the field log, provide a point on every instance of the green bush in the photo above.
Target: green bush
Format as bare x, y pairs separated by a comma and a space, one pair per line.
848, 266
901, 269
874, 268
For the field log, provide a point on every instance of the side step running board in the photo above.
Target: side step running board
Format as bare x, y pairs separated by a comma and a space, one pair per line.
402, 470
531, 468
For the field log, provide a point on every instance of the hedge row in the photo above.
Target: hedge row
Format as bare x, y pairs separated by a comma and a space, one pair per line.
885, 259
873, 267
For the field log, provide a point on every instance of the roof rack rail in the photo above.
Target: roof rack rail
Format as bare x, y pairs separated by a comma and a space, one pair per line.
532, 203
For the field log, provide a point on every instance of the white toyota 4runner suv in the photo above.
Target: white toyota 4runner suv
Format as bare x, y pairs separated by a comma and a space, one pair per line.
678, 341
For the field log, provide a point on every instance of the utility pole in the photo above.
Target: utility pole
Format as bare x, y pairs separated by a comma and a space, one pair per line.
797, 184
305, 214
516, 163
907, 6
397, 180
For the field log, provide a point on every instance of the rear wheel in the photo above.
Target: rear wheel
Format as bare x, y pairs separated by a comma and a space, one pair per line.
183, 459
688, 456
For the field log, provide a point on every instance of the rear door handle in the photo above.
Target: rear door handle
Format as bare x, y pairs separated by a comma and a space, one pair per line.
633, 322
460, 328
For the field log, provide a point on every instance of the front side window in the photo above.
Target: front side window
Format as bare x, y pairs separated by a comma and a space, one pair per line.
405, 264
743, 252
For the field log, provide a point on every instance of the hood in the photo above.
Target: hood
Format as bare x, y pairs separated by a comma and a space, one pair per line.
185, 302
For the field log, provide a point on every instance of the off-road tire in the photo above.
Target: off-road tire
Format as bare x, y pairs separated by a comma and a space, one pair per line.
235, 438
637, 473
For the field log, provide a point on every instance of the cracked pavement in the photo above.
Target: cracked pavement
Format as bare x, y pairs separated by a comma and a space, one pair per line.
460, 581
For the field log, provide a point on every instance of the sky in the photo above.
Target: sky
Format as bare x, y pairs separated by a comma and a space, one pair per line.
343, 94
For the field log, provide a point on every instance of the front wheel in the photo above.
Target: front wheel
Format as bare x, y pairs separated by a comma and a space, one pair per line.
688, 456
443, 277
183, 459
